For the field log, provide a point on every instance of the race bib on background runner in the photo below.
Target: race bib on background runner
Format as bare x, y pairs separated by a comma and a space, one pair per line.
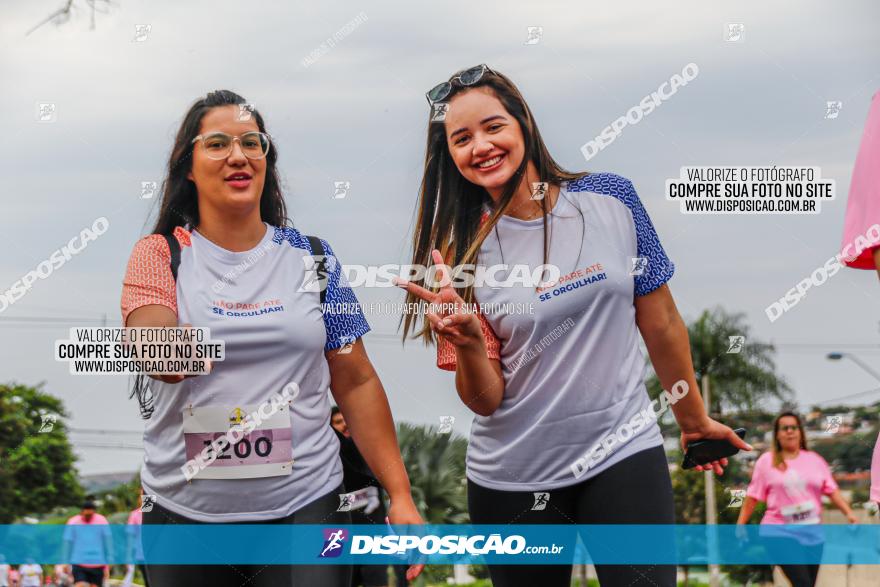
264, 451
800, 513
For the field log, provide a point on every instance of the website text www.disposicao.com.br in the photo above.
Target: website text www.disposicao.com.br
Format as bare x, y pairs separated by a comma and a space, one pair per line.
433, 544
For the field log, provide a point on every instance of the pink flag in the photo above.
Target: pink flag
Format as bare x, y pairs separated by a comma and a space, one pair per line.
875, 473
863, 205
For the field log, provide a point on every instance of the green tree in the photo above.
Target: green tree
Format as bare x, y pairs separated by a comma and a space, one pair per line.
848, 453
121, 499
689, 493
36, 459
435, 465
739, 381
689, 490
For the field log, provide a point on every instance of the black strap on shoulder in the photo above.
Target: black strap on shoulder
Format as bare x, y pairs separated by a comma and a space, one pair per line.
317, 252
174, 247
320, 264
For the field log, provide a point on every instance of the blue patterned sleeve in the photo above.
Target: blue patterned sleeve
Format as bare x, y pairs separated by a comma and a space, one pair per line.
659, 268
343, 317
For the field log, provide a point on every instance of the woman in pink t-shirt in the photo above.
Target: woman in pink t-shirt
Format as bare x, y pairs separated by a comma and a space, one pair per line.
791, 480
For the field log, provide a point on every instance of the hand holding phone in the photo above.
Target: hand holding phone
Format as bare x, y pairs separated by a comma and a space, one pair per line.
702, 452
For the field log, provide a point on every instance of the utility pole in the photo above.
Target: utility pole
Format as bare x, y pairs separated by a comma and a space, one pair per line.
711, 510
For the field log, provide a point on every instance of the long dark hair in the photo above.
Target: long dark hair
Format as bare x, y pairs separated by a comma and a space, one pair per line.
778, 458
450, 206
180, 203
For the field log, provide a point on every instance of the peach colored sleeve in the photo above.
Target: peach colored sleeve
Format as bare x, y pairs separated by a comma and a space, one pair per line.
446, 350
148, 279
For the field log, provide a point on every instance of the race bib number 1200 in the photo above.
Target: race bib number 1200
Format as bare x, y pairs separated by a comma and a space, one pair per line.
256, 447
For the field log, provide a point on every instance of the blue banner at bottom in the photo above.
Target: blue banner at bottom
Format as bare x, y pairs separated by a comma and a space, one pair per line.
440, 544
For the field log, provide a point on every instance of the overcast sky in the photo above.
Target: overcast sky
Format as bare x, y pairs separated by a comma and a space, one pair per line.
358, 114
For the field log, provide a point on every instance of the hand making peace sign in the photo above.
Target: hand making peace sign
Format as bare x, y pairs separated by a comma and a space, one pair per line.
447, 312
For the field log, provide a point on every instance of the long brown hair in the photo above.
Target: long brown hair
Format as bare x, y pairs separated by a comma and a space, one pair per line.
450, 206
180, 203
778, 458
179, 195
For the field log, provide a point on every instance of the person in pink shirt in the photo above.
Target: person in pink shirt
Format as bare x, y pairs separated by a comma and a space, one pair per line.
791, 480
85, 547
862, 216
135, 548
875, 473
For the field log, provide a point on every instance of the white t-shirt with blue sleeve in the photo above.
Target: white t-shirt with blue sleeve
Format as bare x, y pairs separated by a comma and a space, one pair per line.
573, 370
276, 333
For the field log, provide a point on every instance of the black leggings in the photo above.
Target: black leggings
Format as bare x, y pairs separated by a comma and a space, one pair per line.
320, 511
798, 575
636, 490
801, 575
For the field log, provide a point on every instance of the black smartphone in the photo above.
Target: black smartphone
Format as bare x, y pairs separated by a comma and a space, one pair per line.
706, 451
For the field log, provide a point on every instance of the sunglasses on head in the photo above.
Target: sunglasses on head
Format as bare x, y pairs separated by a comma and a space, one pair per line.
468, 77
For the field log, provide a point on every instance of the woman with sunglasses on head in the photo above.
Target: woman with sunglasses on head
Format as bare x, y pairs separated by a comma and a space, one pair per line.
791, 480
549, 386
237, 270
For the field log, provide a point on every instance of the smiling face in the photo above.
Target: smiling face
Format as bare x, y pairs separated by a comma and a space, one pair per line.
234, 184
484, 139
789, 435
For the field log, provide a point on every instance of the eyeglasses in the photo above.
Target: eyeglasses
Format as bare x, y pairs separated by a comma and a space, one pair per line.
789, 428
218, 145
466, 78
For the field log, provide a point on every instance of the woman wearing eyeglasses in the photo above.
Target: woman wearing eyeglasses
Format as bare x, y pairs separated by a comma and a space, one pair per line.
564, 429
239, 273
791, 480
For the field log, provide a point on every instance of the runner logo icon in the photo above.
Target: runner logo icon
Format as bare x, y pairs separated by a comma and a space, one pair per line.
541, 499
333, 540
